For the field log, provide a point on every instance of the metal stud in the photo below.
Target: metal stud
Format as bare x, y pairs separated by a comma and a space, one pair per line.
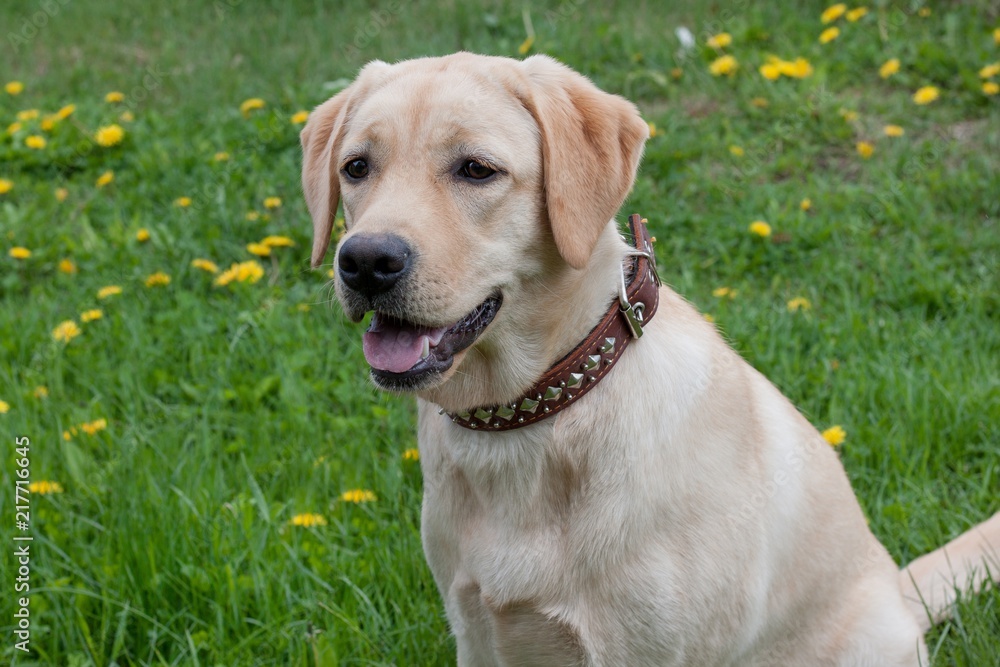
529, 405
553, 394
520, 420
504, 412
562, 383
591, 378
608, 347
593, 361
575, 381
484, 415
548, 409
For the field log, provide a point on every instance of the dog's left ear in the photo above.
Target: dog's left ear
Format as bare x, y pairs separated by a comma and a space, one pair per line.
591, 145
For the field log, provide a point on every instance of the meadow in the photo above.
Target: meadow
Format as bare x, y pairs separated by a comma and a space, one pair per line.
214, 479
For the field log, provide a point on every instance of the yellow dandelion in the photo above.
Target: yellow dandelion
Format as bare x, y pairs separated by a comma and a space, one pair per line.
893, 131
806, 204
720, 41
250, 105
721, 292
358, 496
760, 228
991, 88
41, 392
109, 135
61, 194
724, 65
996, 36
737, 151
252, 216
856, 13
848, 115
66, 331
182, 202
829, 35
158, 279
272, 202
924, 12
48, 123
27, 114
13, 127
676, 73
90, 428
926, 95
835, 435
109, 291
652, 130
105, 178
13, 87
4, 407
243, 272
66, 112
221, 156
833, 12
799, 303
412, 454
760, 102
142, 235
865, 149
114, 97
44, 487
308, 520
278, 242
126, 117
18, 252
300, 117
990, 71
708, 318
526, 45
888, 68
6, 185
205, 265
35, 141
91, 315
259, 249
303, 308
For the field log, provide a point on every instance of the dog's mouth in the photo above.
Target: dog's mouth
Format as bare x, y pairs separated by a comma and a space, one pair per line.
406, 356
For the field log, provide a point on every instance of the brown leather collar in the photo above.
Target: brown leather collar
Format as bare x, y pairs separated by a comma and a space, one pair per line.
579, 371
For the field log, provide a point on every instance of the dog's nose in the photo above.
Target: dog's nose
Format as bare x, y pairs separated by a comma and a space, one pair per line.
373, 263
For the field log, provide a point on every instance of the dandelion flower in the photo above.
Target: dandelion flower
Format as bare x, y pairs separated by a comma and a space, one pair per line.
109, 135
66, 331
66, 112
833, 12
799, 303
708, 318
799, 68
278, 242
865, 149
724, 65
720, 41
27, 114
259, 249
114, 97
358, 496
770, 71
760, 102
252, 216
411, 454
67, 266
720, 292
126, 117
926, 95
760, 228
888, 68
676, 73
652, 130
182, 202
300, 117
991, 88
829, 35
924, 12
44, 487
737, 151
108, 291
142, 235
221, 156
856, 13
158, 279
303, 308
835, 435
848, 115
205, 265
243, 272
806, 204
6, 185
13, 87
526, 45
308, 520
105, 178
48, 123
41, 392
17, 252
61, 194
893, 131
250, 105
996, 40
989, 71
13, 128
272, 202
35, 141
4, 407
90, 428
91, 315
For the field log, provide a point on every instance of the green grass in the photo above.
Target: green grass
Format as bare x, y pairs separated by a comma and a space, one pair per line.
232, 409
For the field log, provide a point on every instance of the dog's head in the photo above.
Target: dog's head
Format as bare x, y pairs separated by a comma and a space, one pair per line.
471, 185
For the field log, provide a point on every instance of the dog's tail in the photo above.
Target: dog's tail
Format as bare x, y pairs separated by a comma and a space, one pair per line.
932, 583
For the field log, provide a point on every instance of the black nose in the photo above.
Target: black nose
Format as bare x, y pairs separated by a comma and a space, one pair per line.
371, 264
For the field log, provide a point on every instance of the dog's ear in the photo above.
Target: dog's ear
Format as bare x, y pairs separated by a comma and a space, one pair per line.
591, 145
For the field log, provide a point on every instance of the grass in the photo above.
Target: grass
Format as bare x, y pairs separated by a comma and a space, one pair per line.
230, 410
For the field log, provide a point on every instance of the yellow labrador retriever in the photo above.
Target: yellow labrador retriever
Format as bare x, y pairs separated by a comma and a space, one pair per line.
602, 487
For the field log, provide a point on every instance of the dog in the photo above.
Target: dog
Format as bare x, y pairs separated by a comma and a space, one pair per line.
662, 503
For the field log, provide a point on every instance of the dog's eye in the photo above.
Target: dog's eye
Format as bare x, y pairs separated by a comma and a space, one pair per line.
356, 169
475, 170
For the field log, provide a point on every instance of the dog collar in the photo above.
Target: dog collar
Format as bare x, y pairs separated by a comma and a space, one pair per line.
579, 371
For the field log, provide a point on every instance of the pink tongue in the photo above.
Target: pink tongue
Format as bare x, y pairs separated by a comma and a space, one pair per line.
397, 349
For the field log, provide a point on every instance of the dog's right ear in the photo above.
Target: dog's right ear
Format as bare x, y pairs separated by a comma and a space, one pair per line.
320, 182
